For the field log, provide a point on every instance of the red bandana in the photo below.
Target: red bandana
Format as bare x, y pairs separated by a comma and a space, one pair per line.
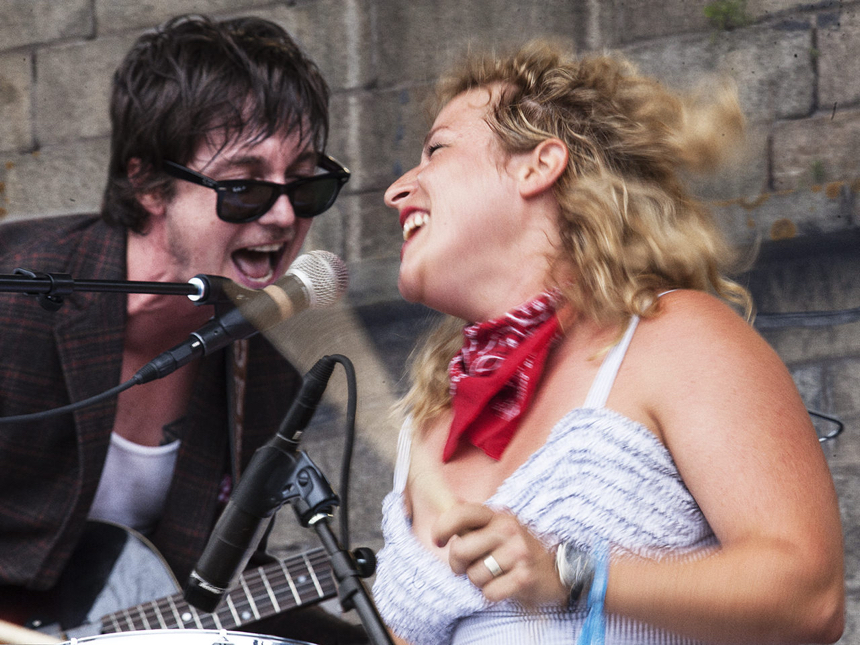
494, 375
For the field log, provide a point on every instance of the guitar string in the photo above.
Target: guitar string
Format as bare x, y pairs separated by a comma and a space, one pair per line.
301, 576
304, 585
302, 581
173, 616
165, 611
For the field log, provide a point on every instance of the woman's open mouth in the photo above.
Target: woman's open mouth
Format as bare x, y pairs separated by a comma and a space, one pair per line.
415, 221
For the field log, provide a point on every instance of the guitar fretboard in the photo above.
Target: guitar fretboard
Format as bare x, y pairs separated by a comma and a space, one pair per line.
261, 592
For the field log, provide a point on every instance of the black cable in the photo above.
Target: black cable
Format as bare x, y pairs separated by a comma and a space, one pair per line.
349, 442
811, 319
830, 435
72, 407
807, 318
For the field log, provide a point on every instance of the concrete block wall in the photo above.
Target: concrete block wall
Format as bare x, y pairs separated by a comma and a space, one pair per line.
795, 63
793, 191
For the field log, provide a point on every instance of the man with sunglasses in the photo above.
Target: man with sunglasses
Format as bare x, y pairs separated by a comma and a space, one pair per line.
217, 166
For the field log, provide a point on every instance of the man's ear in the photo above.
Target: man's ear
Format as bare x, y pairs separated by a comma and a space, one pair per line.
542, 167
151, 201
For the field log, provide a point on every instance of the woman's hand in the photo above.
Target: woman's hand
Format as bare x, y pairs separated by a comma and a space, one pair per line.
479, 538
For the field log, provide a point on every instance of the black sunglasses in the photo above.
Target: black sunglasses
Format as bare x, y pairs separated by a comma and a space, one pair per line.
245, 200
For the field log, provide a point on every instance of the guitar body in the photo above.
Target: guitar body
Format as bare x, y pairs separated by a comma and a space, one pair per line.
116, 581
113, 567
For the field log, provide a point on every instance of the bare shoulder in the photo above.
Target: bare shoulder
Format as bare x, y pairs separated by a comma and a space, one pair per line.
688, 314
693, 329
703, 366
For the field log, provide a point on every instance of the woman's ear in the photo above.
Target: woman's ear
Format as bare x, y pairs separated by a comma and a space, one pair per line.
151, 201
542, 167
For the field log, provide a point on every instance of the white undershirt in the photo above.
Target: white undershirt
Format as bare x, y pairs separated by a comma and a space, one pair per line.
134, 483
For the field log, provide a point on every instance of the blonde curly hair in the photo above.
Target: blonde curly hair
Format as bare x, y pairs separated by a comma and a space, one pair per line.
629, 228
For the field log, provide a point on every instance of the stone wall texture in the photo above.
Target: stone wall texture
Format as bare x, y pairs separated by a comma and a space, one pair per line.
792, 194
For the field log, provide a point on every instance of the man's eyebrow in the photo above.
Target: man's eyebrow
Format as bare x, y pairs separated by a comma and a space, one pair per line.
308, 156
238, 160
220, 162
255, 160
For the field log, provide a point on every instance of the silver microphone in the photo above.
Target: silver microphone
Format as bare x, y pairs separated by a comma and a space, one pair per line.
316, 279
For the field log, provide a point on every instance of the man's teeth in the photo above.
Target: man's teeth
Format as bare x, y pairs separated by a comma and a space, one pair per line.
259, 262
413, 223
265, 248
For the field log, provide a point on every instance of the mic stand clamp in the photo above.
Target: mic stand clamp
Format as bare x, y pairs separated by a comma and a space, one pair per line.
59, 285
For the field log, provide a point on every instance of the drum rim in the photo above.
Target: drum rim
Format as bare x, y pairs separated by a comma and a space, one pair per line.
222, 636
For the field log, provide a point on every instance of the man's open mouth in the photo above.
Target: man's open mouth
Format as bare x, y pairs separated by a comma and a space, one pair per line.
259, 263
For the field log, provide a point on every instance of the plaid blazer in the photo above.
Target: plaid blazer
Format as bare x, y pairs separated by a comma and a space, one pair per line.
49, 470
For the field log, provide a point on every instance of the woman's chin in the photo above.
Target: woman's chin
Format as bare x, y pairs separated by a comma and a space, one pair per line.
407, 289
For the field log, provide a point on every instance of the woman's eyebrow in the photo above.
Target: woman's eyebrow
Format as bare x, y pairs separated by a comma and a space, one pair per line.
431, 134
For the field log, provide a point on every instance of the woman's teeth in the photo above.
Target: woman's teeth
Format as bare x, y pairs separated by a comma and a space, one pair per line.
413, 223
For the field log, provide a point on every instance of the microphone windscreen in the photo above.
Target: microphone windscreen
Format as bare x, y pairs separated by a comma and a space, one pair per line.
324, 276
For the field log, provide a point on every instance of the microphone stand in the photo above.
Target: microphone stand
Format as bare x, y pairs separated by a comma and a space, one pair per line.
348, 570
313, 507
52, 288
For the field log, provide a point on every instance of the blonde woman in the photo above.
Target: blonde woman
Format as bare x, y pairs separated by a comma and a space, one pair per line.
597, 445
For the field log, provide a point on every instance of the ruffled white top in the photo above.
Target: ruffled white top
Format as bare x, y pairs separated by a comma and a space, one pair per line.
600, 476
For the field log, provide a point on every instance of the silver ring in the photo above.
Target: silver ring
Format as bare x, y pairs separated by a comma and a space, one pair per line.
493, 566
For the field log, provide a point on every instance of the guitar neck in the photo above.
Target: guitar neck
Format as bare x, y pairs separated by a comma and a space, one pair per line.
261, 592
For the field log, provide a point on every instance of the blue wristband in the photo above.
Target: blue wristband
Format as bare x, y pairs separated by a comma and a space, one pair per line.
594, 628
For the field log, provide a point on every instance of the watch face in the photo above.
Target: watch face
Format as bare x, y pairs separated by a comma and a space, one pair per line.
576, 570
577, 560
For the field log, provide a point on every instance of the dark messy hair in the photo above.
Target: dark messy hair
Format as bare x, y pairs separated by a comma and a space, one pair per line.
194, 81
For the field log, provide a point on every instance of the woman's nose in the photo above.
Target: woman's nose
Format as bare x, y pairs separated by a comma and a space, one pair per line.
401, 189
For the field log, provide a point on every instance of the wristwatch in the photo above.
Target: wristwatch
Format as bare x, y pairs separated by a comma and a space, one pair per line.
575, 570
